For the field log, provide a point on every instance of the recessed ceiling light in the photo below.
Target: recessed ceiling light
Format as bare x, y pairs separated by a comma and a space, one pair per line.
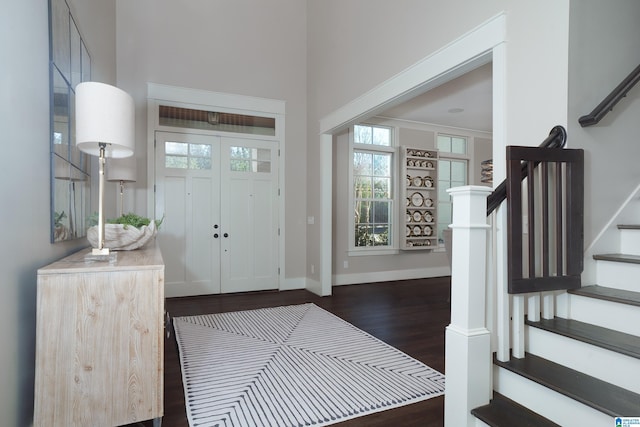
456, 110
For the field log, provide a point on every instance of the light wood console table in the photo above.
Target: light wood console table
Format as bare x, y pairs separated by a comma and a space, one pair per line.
100, 340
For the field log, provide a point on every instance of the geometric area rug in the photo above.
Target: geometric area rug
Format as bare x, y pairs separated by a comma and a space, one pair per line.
296, 365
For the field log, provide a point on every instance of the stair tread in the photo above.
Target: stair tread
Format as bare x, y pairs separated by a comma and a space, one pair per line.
600, 395
502, 411
610, 294
628, 258
609, 339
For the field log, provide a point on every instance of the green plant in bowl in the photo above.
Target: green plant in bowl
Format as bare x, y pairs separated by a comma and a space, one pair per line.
134, 220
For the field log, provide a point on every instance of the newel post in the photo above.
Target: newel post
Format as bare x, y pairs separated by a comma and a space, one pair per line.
468, 341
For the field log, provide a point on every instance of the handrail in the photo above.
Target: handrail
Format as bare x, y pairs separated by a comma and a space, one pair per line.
611, 100
556, 139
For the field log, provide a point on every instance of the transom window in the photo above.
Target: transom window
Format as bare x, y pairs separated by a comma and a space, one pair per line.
372, 186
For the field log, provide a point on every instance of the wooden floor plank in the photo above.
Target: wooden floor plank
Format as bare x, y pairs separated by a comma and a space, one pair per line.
410, 315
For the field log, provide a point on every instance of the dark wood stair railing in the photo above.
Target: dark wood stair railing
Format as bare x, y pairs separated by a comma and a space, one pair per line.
545, 221
549, 212
557, 139
611, 100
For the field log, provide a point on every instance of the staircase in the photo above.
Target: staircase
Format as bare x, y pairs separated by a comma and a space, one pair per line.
583, 370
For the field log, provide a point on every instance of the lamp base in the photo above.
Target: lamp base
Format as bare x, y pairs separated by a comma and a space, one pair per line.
98, 251
101, 255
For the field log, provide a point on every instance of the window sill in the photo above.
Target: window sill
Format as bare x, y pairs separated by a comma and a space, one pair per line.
373, 252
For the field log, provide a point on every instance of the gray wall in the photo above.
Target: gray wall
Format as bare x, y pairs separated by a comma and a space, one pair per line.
604, 40
24, 167
251, 48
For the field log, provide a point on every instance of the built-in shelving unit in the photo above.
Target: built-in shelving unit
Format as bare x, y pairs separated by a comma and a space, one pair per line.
419, 192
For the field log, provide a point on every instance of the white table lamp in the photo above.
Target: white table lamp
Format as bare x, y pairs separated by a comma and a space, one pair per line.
122, 170
105, 121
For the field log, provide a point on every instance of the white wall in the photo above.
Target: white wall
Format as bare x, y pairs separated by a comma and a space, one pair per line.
369, 42
252, 48
24, 169
604, 40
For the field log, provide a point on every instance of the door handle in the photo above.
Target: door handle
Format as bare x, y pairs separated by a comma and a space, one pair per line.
215, 235
226, 234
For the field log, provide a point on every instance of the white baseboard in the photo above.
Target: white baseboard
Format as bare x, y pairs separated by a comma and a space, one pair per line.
292, 283
391, 275
314, 286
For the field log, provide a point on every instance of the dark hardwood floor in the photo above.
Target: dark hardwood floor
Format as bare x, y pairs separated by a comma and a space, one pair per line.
410, 315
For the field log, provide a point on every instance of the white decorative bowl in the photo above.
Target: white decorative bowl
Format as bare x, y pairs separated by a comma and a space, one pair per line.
120, 237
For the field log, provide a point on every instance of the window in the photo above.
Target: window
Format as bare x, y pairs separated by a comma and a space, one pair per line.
183, 155
246, 159
452, 172
372, 186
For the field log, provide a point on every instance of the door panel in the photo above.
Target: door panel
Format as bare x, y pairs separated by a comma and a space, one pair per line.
249, 198
204, 182
188, 195
173, 230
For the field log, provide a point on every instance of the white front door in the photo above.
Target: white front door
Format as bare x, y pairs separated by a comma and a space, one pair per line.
218, 196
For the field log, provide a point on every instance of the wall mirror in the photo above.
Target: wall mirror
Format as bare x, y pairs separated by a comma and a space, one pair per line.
69, 64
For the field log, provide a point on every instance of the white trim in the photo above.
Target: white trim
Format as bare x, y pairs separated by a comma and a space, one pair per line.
188, 97
326, 208
455, 59
391, 275
292, 283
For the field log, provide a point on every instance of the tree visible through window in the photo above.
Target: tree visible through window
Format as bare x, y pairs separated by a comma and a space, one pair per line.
372, 186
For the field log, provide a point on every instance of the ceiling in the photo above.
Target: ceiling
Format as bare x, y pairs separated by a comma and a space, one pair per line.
464, 102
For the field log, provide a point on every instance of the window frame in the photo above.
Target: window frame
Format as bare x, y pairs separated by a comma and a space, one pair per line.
392, 150
450, 156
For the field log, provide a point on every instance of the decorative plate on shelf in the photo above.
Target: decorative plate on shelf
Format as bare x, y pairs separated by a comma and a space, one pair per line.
408, 232
416, 181
408, 180
429, 165
417, 230
428, 182
427, 230
408, 217
417, 199
428, 217
417, 217
428, 202
408, 201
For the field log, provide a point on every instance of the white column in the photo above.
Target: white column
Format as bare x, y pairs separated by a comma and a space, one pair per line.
468, 341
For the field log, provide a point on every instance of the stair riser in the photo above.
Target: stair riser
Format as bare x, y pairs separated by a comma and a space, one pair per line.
630, 242
615, 368
620, 317
546, 402
620, 275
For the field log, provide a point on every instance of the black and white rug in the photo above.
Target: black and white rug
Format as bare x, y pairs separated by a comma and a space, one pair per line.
287, 366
